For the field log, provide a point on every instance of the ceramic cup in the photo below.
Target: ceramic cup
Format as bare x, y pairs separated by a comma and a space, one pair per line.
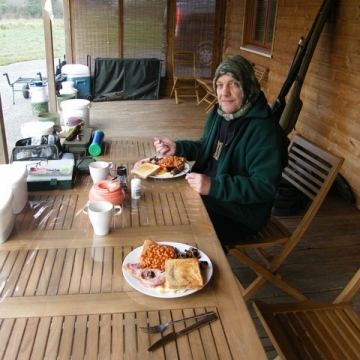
100, 215
99, 170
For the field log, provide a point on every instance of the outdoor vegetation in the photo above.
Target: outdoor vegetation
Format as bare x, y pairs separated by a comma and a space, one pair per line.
22, 31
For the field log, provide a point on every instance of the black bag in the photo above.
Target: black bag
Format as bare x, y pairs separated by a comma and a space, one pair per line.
25, 150
289, 200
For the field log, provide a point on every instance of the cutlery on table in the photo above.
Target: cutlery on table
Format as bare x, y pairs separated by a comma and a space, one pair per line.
176, 334
161, 328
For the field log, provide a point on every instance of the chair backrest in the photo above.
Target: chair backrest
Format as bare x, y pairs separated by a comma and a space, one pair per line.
350, 289
260, 72
312, 170
183, 63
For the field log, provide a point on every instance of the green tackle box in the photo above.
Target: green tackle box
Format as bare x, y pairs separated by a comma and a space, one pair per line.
80, 145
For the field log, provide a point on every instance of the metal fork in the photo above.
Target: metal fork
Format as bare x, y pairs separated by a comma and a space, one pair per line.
162, 327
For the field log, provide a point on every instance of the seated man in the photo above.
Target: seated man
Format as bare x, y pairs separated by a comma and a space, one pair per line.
240, 156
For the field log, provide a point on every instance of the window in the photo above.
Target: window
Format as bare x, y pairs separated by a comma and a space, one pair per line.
259, 25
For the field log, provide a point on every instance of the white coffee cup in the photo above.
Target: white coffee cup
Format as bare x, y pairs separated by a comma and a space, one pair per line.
99, 170
100, 215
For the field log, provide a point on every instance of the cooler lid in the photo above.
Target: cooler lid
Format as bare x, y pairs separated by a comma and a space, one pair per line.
6, 197
75, 69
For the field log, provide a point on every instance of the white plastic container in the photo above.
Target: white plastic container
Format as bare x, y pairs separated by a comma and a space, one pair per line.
67, 85
68, 88
36, 128
79, 108
38, 92
14, 176
7, 216
136, 188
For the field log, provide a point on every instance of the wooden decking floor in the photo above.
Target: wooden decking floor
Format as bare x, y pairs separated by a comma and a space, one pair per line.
323, 261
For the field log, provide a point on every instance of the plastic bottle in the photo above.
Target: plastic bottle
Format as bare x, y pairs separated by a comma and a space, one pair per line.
51, 137
95, 147
121, 177
136, 188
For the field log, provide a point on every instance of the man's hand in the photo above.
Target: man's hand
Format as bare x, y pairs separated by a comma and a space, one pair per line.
199, 182
164, 146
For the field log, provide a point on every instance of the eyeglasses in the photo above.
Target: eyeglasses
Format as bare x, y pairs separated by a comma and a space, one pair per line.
37, 167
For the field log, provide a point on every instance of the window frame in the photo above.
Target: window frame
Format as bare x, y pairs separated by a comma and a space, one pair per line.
249, 42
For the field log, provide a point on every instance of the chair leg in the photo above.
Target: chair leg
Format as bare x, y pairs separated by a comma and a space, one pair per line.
263, 276
210, 106
173, 90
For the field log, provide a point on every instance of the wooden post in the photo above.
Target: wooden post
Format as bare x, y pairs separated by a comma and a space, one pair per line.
4, 155
49, 51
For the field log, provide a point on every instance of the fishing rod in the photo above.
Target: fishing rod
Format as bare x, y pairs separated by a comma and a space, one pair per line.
293, 107
279, 104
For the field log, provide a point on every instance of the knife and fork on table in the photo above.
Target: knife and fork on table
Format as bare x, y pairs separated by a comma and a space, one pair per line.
206, 318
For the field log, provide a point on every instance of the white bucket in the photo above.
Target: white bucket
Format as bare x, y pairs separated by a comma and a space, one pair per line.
67, 85
14, 177
38, 92
79, 108
36, 128
70, 91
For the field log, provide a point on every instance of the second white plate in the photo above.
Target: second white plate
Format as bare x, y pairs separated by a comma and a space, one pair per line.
166, 175
133, 258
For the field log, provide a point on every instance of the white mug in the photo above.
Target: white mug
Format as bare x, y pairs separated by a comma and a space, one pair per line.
99, 170
100, 215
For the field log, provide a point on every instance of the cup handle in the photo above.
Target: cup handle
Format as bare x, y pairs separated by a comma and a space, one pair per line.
111, 165
119, 210
86, 207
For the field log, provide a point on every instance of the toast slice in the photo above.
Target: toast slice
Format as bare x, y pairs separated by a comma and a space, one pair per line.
183, 274
145, 170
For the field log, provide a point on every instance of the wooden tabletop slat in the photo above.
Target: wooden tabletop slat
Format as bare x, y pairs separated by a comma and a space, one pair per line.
40, 340
79, 338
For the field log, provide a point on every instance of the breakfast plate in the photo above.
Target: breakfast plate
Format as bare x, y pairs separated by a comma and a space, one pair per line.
133, 258
166, 175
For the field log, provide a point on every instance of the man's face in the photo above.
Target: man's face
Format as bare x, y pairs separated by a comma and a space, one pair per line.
229, 93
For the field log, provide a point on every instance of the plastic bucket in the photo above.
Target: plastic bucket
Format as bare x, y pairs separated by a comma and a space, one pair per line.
36, 128
72, 92
39, 107
50, 116
79, 108
37, 92
63, 97
67, 85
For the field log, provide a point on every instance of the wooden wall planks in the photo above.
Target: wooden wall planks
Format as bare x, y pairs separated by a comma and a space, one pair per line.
331, 110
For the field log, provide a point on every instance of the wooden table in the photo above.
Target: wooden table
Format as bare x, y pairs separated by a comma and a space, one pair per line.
63, 294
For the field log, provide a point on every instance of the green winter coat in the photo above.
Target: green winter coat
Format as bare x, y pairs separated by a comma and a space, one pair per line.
249, 167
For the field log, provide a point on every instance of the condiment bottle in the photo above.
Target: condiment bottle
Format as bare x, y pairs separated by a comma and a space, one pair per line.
121, 176
136, 188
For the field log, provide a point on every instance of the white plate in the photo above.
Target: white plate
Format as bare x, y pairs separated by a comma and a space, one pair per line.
133, 258
166, 175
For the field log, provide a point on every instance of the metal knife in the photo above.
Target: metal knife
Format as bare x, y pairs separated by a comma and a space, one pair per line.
174, 335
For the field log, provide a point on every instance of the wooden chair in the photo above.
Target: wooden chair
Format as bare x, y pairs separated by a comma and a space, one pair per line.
310, 330
260, 72
210, 96
184, 75
312, 170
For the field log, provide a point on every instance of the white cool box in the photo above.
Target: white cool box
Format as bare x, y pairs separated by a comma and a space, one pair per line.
13, 196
